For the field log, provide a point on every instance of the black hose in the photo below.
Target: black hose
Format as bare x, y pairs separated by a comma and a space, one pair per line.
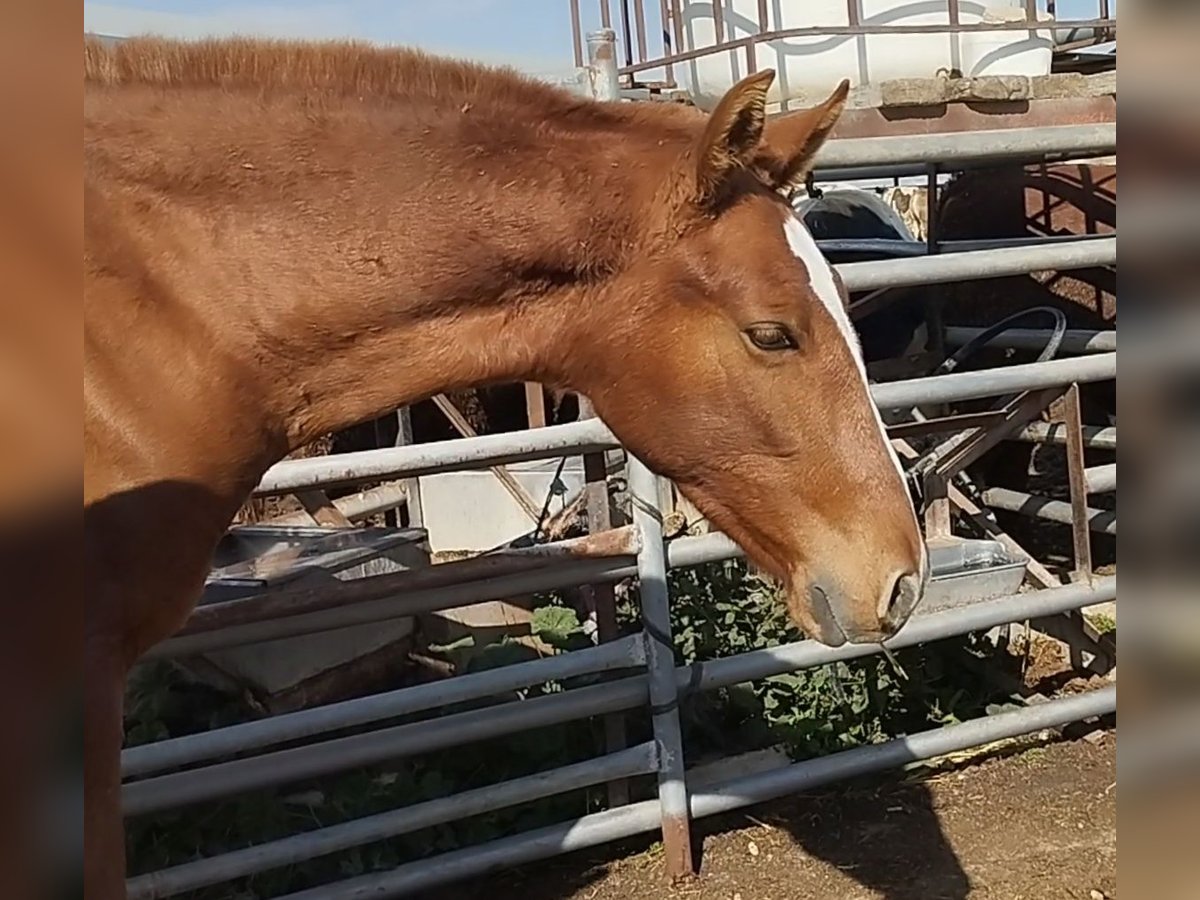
929, 459
985, 337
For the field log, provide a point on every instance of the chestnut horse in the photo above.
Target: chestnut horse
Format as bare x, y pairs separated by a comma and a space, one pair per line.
284, 239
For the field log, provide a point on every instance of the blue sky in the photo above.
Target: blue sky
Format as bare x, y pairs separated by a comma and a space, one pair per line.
534, 35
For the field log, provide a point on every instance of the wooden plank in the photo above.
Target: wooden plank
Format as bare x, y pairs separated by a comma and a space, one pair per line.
535, 405
321, 509
463, 427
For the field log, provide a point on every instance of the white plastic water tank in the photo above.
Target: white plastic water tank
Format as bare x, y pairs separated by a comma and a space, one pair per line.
807, 68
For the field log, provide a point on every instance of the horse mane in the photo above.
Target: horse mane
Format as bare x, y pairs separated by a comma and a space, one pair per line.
347, 68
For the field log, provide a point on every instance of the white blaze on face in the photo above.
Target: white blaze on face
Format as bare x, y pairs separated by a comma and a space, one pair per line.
820, 279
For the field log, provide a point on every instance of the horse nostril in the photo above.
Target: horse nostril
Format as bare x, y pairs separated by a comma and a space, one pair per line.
898, 603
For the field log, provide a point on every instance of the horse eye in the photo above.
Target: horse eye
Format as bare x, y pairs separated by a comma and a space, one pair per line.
772, 337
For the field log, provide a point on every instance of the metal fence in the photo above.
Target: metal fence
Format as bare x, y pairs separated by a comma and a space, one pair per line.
653, 39
641, 669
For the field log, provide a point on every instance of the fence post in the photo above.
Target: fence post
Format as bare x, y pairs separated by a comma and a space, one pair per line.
660, 661
600, 600
603, 79
412, 486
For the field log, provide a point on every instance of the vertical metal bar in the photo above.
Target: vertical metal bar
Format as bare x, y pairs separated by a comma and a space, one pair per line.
677, 24
639, 19
601, 599
762, 16
934, 320
954, 17
625, 33
932, 244
1031, 13
1078, 481
605, 14
602, 64
751, 59
854, 20
660, 661
664, 17
576, 33
718, 11
412, 486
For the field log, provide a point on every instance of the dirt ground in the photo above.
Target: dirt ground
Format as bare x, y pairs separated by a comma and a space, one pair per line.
1036, 825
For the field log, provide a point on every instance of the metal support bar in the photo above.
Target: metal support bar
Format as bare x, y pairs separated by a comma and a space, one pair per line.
976, 147
614, 824
1070, 415
297, 763
660, 661
974, 265
443, 456
548, 578
993, 382
592, 435
1101, 479
639, 760
148, 759
601, 599
1099, 520
976, 617
288, 602
907, 249
1047, 433
960, 451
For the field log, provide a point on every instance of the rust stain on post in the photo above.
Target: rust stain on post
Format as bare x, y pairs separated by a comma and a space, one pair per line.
677, 848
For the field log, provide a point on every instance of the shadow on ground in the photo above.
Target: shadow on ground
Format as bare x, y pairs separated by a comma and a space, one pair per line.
884, 836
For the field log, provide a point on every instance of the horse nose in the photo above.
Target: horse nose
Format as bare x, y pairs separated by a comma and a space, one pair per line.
899, 600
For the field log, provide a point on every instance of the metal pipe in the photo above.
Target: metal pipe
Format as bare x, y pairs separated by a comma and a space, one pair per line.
297, 763
975, 265
805, 775
546, 578
1075, 340
828, 31
603, 79
639, 760
614, 824
573, 438
1055, 433
993, 382
901, 248
178, 752
384, 602
287, 603
576, 28
660, 663
1101, 479
949, 149
921, 629
1101, 521
274, 768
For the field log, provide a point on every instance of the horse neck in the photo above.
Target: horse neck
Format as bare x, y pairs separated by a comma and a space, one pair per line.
397, 259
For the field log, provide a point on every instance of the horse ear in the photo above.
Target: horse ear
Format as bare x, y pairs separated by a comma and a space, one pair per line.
731, 137
789, 143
